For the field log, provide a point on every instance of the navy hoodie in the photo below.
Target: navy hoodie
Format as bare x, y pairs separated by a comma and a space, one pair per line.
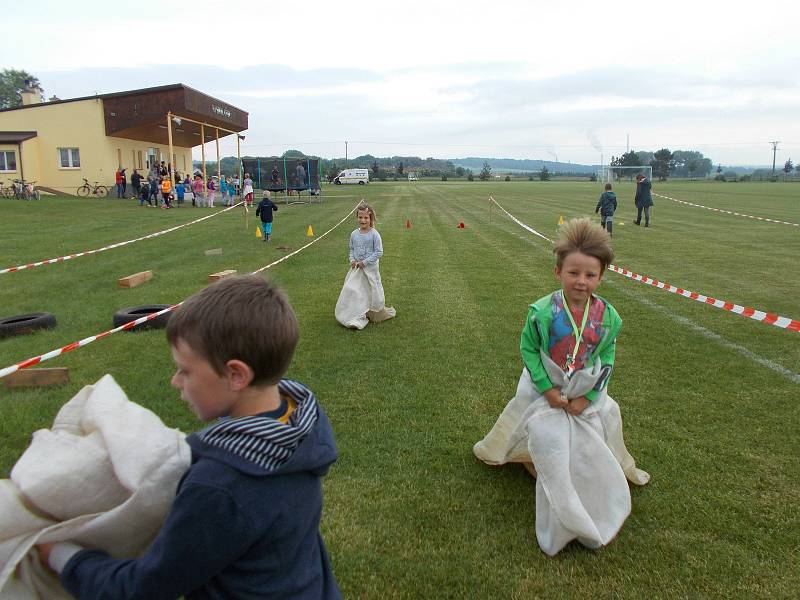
607, 204
244, 523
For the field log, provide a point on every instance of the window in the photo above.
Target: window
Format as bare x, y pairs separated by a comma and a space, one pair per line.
70, 158
8, 161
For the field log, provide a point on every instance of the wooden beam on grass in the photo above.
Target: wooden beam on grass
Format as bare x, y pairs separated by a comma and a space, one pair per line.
131, 281
37, 378
222, 275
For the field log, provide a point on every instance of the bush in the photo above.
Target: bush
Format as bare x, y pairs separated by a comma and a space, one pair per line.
508, 177
470, 177
444, 177
746, 178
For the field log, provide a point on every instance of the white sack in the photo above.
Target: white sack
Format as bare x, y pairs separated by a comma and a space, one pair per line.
581, 461
361, 299
104, 476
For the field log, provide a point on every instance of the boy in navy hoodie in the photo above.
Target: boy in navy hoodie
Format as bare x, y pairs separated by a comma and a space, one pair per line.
245, 520
606, 206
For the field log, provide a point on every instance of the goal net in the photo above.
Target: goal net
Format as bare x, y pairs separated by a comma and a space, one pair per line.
610, 173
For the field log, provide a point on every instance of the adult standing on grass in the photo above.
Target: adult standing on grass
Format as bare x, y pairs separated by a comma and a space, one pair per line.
119, 178
136, 182
644, 199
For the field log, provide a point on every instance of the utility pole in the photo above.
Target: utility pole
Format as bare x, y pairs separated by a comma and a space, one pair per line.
627, 143
345, 154
774, 151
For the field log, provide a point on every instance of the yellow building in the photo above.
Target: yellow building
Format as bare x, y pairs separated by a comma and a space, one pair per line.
60, 143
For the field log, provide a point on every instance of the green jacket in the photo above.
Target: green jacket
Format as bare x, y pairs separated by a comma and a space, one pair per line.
536, 336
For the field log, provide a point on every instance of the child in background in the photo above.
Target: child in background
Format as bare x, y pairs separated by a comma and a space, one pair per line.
144, 195
264, 210
247, 190
154, 189
362, 298
606, 206
223, 190
245, 520
166, 192
198, 189
180, 191
187, 186
232, 185
562, 419
212, 191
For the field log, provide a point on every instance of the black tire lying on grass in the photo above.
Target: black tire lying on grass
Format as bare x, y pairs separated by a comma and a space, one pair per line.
126, 315
21, 324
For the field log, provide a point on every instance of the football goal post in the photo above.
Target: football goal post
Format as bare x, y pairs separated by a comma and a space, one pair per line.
609, 173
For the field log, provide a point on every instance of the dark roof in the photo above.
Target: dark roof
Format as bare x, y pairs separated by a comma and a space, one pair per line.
15, 137
160, 88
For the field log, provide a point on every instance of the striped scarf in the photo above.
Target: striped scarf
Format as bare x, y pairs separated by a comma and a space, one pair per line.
261, 440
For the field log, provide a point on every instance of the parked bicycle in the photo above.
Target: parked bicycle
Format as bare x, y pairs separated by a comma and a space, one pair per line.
26, 190
87, 189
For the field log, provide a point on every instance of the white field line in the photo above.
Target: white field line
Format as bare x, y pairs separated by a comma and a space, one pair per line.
729, 212
86, 341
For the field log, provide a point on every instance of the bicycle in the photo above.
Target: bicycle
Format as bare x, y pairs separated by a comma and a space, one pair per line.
25, 190
95, 190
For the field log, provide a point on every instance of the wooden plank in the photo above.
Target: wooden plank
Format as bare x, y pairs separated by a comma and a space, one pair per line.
213, 251
37, 377
222, 275
132, 281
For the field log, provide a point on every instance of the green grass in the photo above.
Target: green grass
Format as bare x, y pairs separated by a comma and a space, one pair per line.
409, 512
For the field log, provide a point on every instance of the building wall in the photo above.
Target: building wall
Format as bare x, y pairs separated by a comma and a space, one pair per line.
77, 125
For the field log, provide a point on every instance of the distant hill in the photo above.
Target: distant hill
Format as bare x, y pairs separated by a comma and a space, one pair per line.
515, 165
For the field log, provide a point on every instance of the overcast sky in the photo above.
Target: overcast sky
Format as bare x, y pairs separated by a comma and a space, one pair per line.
446, 79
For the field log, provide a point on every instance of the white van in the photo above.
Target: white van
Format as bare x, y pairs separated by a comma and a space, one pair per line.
359, 176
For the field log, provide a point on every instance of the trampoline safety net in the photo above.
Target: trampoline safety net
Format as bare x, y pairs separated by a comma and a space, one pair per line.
278, 174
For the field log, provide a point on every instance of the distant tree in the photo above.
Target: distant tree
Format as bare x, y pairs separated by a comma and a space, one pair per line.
459, 171
788, 166
719, 169
470, 176
544, 174
628, 159
400, 169
486, 171
376, 168
663, 164
12, 83
444, 176
730, 176
691, 167
797, 168
645, 157
508, 177
292, 153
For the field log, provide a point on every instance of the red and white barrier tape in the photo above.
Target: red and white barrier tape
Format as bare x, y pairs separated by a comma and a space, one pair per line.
729, 212
69, 347
751, 313
112, 246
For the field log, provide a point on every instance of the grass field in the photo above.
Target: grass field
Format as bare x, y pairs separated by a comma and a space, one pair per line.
709, 399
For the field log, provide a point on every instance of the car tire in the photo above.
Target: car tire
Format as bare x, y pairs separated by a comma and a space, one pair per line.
126, 315
22, 324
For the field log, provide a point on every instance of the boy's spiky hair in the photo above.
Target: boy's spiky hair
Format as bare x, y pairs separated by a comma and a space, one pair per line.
584, 236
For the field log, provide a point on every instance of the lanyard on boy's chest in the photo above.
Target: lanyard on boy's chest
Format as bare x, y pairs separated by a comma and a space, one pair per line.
578, 332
